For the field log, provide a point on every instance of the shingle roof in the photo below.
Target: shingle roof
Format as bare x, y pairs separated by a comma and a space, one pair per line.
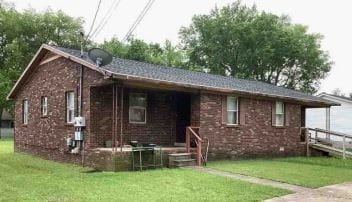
177, 75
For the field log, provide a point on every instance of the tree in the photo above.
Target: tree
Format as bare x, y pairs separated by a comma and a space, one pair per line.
240, 41
138, 50
5, 87
115, 47
169, 55
22, 33
155, 53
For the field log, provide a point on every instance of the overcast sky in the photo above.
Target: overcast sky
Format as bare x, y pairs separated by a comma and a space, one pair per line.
163, 21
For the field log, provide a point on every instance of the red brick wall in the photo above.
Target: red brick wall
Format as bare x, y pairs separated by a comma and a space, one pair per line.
159, 128
161, 119
257, 137
195, 110
101, 115
46, 136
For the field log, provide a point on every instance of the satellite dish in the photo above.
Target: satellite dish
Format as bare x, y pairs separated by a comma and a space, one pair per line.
99, 56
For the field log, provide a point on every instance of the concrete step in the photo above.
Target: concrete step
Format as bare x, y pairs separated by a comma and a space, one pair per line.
179, 144
185, 162
181, 159
179, 156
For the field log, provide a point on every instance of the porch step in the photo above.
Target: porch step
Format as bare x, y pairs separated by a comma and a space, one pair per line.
180, 154
185, 162
181, 159
179, 144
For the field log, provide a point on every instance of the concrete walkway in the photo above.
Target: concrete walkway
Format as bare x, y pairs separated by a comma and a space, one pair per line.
333, 193
251, 179
339, 192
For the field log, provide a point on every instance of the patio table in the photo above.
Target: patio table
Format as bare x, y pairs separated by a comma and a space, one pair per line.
155, 150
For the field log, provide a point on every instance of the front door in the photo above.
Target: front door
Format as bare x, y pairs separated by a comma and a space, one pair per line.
183, 113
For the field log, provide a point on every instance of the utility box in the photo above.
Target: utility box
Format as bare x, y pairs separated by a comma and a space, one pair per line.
78, 135
79, 121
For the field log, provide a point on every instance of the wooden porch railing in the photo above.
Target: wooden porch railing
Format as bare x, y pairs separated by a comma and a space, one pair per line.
194, 132
322, 136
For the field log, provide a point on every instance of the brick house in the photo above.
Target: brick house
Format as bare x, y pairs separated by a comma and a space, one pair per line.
133, 101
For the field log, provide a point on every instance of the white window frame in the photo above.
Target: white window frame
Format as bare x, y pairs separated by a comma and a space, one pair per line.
280, 114
44, 105
25, 111
231, 110
137, 107
70, 106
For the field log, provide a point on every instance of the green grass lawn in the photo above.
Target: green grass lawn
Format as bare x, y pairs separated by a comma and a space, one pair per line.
305, 171
26, 178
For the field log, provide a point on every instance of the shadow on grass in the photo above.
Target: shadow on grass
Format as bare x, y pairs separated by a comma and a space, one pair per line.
91, 171
6, 139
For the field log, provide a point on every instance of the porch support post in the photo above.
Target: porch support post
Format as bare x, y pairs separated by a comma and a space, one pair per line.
113, 120
344, 147
327, 124
121, 119
116, 114
306, 131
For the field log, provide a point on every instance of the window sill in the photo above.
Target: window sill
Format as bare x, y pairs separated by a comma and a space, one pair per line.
24, 124
279, 127
140, 123
43, 117
232, 125
68, 124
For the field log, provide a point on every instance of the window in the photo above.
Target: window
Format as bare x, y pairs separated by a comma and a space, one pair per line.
70, 106
232, 110
25, 111
44, 105
137, 108
279, 113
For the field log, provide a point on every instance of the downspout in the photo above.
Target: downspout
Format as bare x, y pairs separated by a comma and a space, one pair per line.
80, 100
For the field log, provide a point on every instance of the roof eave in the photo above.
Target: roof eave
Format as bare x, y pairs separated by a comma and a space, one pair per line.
10, 96
308, 103
43, 47
340, 98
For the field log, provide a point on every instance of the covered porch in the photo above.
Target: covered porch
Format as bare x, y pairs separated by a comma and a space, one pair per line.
122, 116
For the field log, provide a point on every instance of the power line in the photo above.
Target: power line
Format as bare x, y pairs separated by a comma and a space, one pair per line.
138, 20
95, 17
106, 18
